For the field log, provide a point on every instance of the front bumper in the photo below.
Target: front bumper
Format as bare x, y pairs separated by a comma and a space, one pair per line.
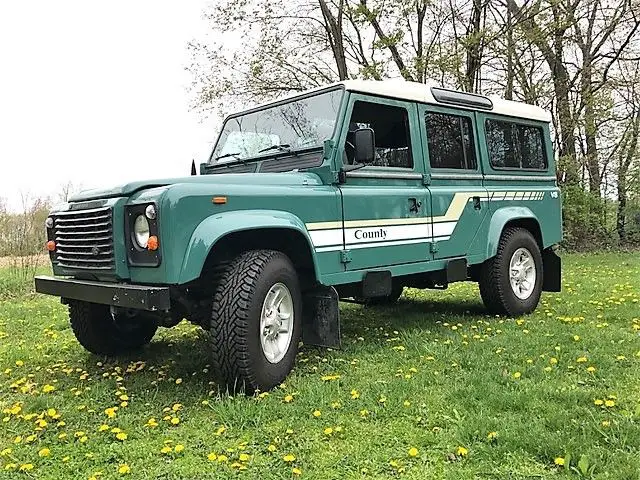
141, 297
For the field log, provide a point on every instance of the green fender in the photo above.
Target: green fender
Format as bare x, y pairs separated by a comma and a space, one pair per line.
215, 227
499, 219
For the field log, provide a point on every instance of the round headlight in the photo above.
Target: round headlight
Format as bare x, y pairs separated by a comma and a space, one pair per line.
141, 231
48, 222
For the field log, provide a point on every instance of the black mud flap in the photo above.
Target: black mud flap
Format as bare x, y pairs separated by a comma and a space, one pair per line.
552, 268
321, 318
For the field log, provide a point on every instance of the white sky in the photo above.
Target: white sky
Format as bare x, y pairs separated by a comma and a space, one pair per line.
96, 93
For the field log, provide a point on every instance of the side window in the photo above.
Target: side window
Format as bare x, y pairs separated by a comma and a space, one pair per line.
450, 141
513, 145
391, 127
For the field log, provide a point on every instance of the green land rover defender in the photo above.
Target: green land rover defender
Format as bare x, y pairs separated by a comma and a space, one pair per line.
351, 191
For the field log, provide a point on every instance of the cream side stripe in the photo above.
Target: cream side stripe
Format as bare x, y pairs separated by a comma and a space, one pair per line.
453, 213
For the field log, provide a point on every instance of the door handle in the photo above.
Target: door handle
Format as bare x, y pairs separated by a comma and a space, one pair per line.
476, 203
414, 205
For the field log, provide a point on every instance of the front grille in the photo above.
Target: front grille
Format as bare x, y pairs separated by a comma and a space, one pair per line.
84, 239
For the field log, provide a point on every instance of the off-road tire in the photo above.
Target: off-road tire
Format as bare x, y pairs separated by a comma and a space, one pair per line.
495, 288
99, 333
237, 355
396, 293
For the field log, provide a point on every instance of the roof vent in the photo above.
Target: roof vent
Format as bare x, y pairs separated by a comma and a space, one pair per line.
463, 99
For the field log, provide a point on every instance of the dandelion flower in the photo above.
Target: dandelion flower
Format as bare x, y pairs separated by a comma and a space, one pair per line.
581, 359
296, 471
212, 457
491, 436
288, 399
591, 369
559, 461
166, 450
175, 420
121, 436
222, 458
178, 448
178, 381
124, 469
609, 403
317, 413
461, 451
45, 452
413, 452
26, 467
598, 402
517, 375
289, 457
271, 448
328, 431
243, 457
355, 394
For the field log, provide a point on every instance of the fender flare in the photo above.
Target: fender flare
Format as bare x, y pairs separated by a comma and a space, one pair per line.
498, 221
216, 227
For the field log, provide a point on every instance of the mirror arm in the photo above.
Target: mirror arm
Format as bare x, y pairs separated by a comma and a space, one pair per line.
342, 174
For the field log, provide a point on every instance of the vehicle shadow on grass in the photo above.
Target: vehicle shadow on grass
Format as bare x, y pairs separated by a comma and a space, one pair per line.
184, 353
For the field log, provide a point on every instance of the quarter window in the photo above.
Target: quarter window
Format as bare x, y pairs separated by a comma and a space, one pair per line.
391, 127
450, 141
513, 145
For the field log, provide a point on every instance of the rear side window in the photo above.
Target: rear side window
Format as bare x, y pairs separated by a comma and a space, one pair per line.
450, 141
513, 145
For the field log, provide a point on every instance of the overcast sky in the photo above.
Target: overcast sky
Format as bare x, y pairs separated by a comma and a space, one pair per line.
95, 93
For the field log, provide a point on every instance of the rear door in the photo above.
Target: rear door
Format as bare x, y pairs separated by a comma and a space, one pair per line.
458, 197
386, 206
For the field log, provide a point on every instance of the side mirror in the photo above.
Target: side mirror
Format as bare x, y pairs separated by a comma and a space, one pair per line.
364, 141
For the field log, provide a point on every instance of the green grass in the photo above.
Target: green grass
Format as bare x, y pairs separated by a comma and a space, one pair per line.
434, 373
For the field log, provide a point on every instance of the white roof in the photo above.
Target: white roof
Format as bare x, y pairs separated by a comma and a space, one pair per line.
421, 92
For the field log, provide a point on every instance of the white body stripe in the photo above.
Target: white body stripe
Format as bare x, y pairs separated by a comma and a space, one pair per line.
329, 236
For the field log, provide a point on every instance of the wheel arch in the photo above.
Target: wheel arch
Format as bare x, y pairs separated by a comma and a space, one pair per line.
224, 236
503, 218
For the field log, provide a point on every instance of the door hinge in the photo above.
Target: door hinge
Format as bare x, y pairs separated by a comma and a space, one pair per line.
434, 247
345, 256
426, 179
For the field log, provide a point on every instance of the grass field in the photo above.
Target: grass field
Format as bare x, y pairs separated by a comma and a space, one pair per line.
430, 388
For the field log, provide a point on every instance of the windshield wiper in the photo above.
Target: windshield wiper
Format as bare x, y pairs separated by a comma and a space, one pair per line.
284, 147
234, 155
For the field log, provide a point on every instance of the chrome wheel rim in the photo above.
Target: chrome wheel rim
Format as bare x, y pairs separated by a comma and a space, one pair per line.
276, 323
522, 273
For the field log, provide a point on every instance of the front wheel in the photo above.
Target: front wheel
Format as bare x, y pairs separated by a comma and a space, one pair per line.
511, 282
256, 321
104, 332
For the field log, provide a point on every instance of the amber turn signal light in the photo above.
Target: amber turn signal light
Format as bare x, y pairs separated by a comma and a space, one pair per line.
51, 245
219, 200
152, 243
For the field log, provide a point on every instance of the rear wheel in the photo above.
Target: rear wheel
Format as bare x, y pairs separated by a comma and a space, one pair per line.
256, 321
103, 332
511, 282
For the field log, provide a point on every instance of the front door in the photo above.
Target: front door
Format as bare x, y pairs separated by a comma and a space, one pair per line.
386, 207
458, 197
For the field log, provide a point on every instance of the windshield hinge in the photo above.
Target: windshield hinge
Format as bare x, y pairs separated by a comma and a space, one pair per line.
345, 256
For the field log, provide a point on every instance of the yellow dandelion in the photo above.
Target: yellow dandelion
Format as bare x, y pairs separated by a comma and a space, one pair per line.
598, 402
221, 429
317, 413
591, 369
47, 389
165, 450
461, 451
328, 431
581, 359
288, 399
559, 461
45, 452
124, 469
517, 375
222, 458
244, 457
289, 457
609, 403
271, 448
491, 436
606, 423
355, 394
179, 448
121, 436
178, 381
296, 471
413, 452
26, 467
212, 457
175, 420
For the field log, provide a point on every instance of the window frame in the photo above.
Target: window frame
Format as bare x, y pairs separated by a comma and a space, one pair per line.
377, 171
474, 146
518, 122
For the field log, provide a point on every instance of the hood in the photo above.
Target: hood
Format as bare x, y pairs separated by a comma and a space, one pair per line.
128, 189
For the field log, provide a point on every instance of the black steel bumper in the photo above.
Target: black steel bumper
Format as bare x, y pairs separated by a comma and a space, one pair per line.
141, 297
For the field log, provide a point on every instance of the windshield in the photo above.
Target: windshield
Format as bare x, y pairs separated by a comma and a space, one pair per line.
299, 124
